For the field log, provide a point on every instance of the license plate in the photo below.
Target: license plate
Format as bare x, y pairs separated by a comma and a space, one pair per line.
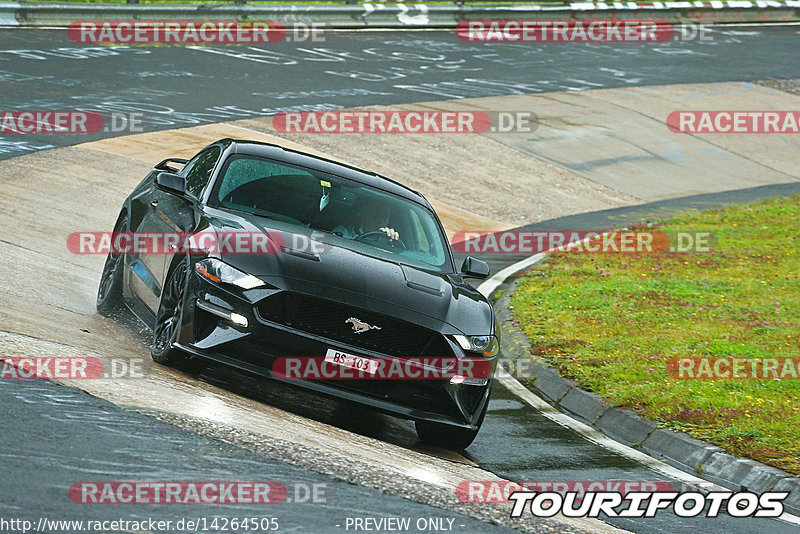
359, 363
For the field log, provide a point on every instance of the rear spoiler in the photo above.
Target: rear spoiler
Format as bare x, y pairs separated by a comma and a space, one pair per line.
164, 167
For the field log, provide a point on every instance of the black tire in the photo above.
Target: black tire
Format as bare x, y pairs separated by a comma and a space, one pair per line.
170, 308
109, 292
447, 436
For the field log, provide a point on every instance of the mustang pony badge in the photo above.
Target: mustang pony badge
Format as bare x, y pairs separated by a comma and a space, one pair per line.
359, 326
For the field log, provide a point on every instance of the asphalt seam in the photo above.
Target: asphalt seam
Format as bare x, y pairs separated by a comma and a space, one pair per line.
707, 139
577, 172
48, 256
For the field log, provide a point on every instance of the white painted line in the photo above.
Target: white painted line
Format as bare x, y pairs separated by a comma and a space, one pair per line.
590, 433
488, 287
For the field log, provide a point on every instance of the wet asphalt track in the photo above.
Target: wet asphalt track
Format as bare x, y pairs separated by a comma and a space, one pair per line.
174, 86
48, 446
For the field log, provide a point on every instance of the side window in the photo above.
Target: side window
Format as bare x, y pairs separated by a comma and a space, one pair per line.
198, 171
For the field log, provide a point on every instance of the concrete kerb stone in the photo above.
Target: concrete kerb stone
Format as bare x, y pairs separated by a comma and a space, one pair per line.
792, 501
625, 426
741, 473
552, 386
586, 406
725, 470
762, 477
678, 449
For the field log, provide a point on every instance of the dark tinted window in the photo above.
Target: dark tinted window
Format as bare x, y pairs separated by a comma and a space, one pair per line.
198, 171
354, 212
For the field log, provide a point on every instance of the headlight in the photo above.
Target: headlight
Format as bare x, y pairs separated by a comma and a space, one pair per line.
487, 345
219, 271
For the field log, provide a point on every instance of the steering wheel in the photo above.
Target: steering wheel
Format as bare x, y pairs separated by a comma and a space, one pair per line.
379, 233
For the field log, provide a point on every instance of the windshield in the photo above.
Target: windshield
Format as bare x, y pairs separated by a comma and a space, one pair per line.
361, 217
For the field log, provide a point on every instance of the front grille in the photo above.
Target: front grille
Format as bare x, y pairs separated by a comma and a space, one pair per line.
326, 318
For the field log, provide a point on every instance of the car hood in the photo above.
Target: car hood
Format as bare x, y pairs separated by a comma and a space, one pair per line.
315, 263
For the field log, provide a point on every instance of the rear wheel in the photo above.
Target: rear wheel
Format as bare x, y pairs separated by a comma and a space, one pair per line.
109, 293
448, 436
168, 317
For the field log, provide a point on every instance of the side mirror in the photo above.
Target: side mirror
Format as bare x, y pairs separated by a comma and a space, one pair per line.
165, 165
474, 268
171, 183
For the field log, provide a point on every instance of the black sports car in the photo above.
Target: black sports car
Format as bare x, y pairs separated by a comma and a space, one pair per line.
358, 270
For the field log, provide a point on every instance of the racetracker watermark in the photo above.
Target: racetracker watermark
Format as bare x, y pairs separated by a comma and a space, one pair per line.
404, 122
574, 241
752, 122
579, 31
498, 491
337, 365
683, 504
214, 523
730, 368
50, 122
69, 368
68, 122
207, 242
192, 32
208, 492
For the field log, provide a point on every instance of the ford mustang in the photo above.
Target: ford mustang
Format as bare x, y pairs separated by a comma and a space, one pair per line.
354, 269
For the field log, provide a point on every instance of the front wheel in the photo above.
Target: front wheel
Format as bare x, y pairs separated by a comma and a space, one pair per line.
447, 436
168, 317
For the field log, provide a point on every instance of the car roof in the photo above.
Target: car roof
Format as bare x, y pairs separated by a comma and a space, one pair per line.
324, 165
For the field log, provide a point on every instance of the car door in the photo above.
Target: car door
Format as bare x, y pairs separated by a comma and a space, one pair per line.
177, 212
164, 212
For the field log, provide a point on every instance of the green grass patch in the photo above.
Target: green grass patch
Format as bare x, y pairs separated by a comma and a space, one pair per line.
612, 321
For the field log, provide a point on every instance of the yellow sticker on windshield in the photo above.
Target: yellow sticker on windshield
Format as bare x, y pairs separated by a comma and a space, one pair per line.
325, 183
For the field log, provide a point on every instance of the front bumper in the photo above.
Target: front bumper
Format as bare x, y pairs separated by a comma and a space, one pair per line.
210, 330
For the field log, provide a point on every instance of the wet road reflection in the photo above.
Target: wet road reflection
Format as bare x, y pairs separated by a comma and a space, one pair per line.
52, 436
341, 414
